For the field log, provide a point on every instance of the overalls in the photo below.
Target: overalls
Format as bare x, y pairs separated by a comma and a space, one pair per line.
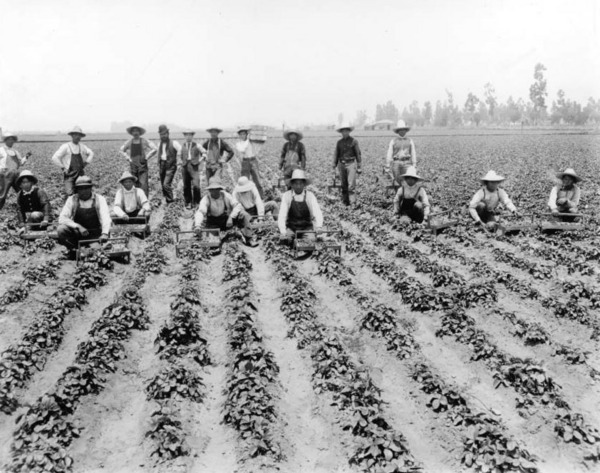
8, 177
139, 165
487, 208
291, 161
219, 221
213, 166
568, 195
75, 170
87, 218
402, 158
409, 207
299, 218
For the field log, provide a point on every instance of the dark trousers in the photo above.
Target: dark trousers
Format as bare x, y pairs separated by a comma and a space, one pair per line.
7, 181
69, 237
190, 175
214, 170
348, 177
250, 170
140, 170
167, 173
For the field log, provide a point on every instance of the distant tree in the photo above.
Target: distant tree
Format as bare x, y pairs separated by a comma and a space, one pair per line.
538, 93
361, 118
490, 99
470, 108
427, 113
482, 113
454, 115
441, 115
387, 111
513, 112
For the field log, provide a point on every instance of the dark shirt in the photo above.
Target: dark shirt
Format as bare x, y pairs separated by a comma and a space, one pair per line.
224, 148
347, 148
299, 148
35, 201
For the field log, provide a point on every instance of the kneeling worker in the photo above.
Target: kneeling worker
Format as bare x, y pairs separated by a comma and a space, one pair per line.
484, 204
249, 201
564, 197
411, 201
130, 201
299, 208
85, 216
33, 205
216, 211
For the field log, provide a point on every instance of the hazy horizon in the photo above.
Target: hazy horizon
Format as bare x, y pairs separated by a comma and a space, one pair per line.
197, 64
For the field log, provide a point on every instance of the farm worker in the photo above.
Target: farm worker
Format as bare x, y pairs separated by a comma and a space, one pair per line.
85, 216
138, 151
216, 210
401, 153
218, 152
347, 162
247, 155
191, 156
293, 154
10, 162
485, 202
169, 151
411, 201
564, 197
73, 157
299, 209
33, 205
249, 201
130, 201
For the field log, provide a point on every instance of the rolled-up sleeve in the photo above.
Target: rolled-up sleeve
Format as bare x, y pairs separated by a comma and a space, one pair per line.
200, 214
358, 153
315, 210
477, 198
390, 156
286, 201
89, 153
552, 199
574, 201
104, 216
58, 157
118, 211
506, 200
65, 214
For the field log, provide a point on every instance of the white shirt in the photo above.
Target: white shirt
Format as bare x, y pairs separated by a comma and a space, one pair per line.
103, 213
245, 149
62, 157
207, 201
176, 145
5, 154
131, 199
247, 200
313, 207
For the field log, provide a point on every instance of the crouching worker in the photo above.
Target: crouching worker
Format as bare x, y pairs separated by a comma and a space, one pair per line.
33, 205
249, 201
564, 197
216, 211
130, 201
484, 204
299, 209
411, 202
85, 216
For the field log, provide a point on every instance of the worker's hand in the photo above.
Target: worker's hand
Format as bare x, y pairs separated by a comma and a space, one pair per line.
82, 230
125, 217
28, 155
561, 201
359, 170
103, 238
229, 223
555, 212
20, 231
44, 224
197, 231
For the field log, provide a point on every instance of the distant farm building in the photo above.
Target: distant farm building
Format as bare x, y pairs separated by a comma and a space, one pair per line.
380, 125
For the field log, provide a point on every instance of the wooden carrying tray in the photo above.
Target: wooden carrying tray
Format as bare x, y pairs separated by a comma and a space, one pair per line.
30, 235
133, 225
258, 223
334, 185
182, 242
557, 225
441, 220
301, 244
115, 248
527, 223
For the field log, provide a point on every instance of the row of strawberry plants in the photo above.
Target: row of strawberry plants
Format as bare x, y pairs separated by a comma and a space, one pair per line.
252, 381
358, 399
182, 348
32, 276
486, 447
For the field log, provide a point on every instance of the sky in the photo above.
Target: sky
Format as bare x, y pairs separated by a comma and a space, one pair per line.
224, 63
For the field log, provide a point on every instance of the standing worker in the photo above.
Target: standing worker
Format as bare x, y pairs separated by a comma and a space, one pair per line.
484, 204
347, 162
218, 153
191, 156
10, 162
293, 154
564, 197
138, 151
401, 153
73, 157
248, 158
169, 151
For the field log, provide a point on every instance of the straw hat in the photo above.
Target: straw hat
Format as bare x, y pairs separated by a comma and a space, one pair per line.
298, 175
344, 126
401, 126
244, 184
411, 171
215, 183
132, 127
244, 128
83, 181
26, 174
493, 177
287, 133
214, 128
569, 172
9, 135
78, 130
189, 132
127, 175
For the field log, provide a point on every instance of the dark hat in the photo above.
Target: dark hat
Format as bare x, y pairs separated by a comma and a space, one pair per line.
163, 129
83, 181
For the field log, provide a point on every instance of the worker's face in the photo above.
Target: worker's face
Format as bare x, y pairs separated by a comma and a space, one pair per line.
76, 138
298, 185
188, 137
164, 136
345, 133
84, 193
136, 133
127, 184
214, 134
568, 181
243, 135
293, 137
215, 193
402, 133
411, 181
10, 141
492, 185
26, 184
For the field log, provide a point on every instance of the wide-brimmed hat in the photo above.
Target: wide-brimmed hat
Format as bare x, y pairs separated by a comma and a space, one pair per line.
298, 175
344, 126
287, 133
411, 171
215, 183
7, 135
132, 127
214, 128
189, 132
569, 172
127, 175
401, 126
243, 128
83, 181
244, 184
163, 129
26, 174
492, 177
78, 130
